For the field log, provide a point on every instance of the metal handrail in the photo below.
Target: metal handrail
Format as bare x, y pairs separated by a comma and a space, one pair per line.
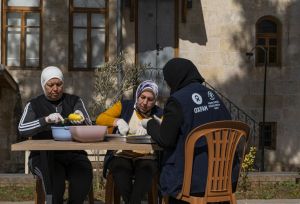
239, 114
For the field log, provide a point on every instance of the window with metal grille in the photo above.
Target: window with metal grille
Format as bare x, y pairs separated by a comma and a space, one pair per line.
88, 34
270, 134
21, 35
268, 35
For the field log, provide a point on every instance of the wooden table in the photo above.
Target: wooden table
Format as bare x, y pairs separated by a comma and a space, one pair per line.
48, 145
109, 144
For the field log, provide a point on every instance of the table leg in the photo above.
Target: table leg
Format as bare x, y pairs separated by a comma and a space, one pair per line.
49, 199
47, 163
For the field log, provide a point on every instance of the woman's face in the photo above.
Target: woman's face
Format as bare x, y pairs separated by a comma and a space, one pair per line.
54, 89
146, 101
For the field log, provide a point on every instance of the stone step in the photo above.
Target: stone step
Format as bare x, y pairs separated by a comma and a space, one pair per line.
20, 179
274, 176
16, 179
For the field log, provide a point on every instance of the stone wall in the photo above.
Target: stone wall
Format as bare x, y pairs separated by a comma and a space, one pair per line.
10, 108
258, 178
55, 53
215, 37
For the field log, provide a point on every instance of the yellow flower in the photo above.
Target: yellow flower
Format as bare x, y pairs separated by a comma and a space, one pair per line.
248, 162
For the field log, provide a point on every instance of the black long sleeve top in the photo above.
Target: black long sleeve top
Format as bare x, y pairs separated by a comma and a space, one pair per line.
165, 135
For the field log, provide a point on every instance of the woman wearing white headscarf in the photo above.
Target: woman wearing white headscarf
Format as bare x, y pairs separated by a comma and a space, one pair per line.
39, 114
125, 117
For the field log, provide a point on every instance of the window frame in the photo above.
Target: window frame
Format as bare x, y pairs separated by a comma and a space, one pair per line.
88, 11
23, 10
272, 134
267, 37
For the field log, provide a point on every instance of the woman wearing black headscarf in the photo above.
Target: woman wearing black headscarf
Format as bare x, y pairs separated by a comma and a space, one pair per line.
190, 104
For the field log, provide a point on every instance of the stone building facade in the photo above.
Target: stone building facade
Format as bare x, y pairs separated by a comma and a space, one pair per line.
214, 34
10, 110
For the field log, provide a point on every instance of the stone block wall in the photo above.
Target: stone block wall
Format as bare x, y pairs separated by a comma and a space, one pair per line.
258, 178
10, 107
216, 36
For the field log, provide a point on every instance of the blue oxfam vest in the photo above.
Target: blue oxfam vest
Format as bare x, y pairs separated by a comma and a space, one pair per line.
199, 105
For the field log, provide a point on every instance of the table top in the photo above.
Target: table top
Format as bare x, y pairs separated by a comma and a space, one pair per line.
107, 144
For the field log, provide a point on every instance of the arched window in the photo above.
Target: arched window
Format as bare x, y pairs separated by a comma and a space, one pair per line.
268, 35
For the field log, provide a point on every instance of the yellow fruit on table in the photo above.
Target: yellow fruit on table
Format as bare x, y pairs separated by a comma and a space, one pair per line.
74, 116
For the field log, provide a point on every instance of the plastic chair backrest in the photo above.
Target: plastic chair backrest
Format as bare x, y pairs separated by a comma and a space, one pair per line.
222, 139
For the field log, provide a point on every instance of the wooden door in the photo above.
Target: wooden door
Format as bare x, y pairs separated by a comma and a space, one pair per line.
156, 35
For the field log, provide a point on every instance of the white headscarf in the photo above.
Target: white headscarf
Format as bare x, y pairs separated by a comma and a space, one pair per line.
50, 73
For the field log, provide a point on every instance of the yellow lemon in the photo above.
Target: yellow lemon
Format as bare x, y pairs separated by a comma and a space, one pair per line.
74, 116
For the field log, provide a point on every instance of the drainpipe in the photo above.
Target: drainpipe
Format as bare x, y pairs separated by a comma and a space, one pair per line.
262, 130
119, 38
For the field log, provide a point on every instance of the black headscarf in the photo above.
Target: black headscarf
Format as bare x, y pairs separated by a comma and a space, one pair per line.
179, 72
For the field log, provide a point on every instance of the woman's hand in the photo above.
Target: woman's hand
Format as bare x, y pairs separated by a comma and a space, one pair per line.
54, 118
140, 130
122, 126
